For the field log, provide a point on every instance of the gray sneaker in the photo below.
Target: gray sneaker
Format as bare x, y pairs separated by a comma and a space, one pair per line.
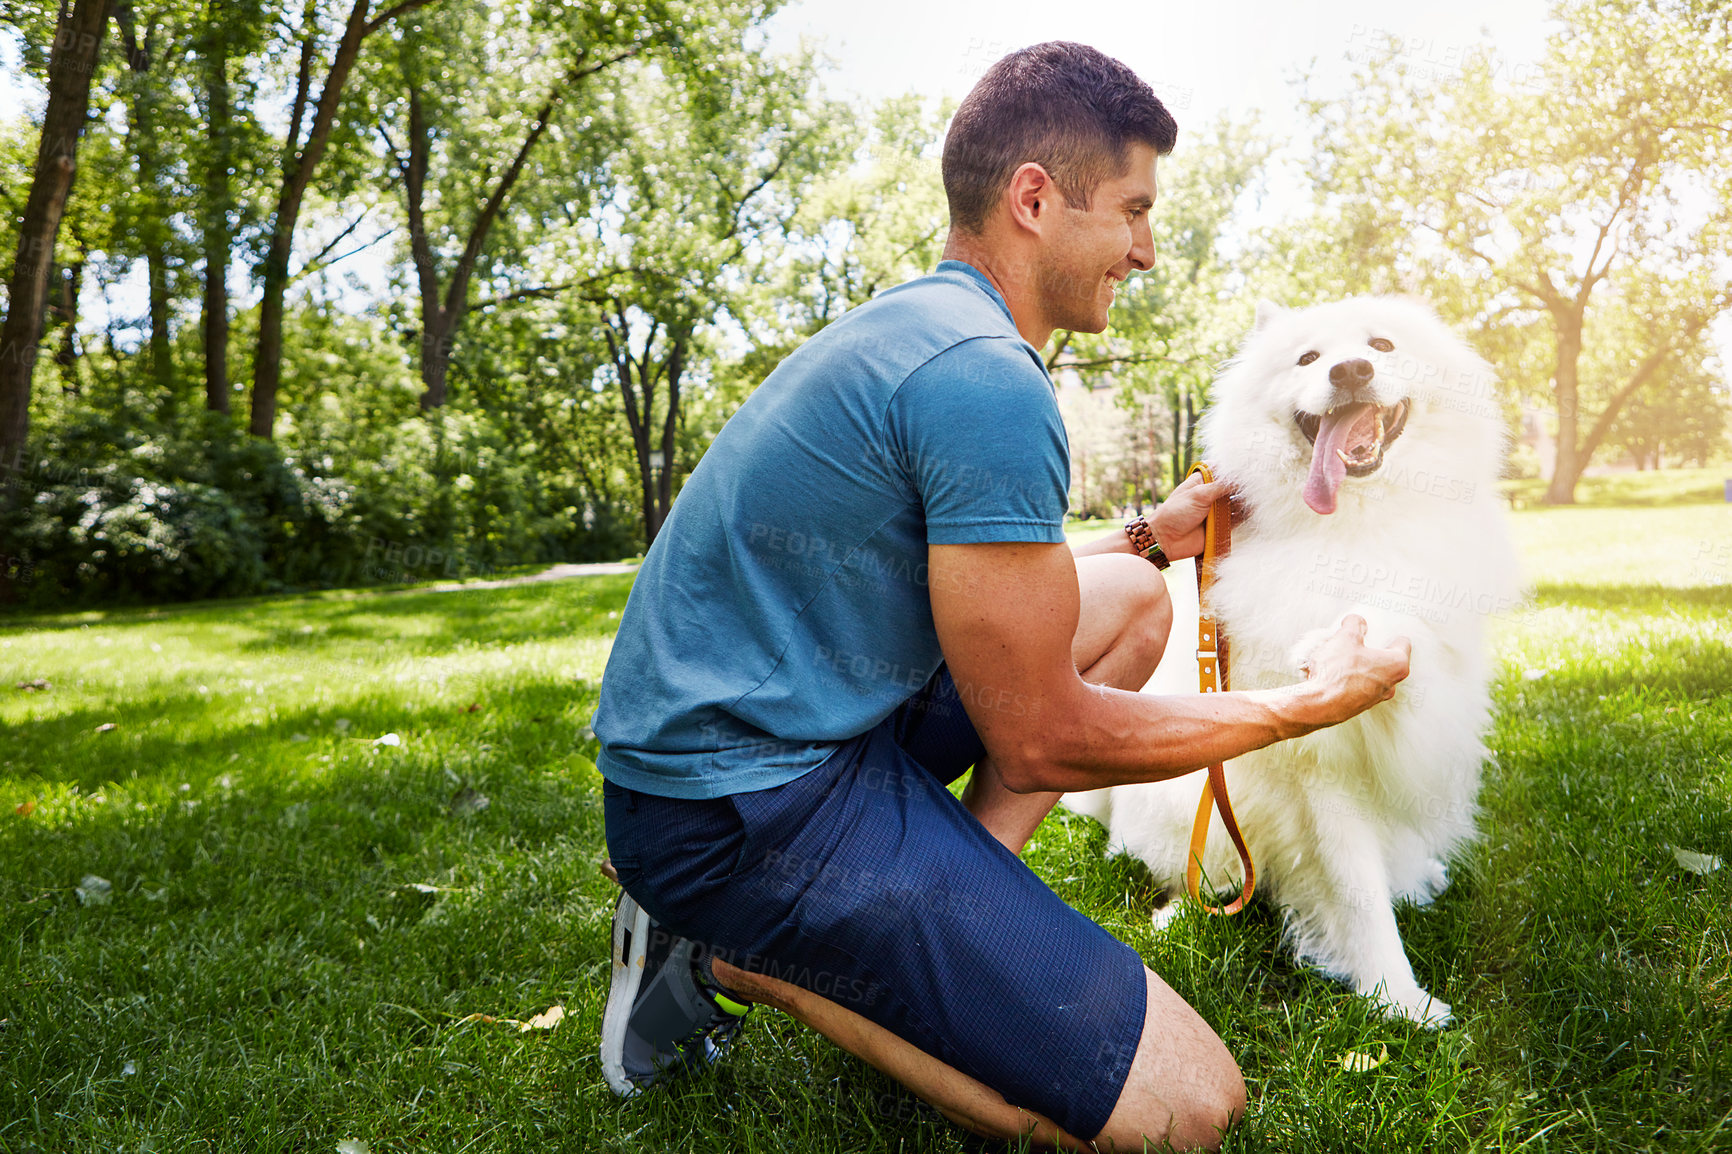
663, 1014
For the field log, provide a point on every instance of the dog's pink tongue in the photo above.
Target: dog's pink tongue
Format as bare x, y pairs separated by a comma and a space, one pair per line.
1327, 468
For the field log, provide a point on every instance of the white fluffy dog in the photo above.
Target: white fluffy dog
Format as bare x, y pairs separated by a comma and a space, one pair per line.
1364, 441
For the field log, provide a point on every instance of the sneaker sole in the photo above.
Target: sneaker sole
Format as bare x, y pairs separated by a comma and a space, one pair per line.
631, 927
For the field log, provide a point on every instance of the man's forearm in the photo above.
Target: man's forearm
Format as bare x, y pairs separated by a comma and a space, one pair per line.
1115, 737
1112, 541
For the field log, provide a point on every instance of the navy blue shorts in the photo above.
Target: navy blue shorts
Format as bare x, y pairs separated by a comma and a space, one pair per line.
868, 883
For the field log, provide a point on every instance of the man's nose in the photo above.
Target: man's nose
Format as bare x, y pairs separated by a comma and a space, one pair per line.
1142, 244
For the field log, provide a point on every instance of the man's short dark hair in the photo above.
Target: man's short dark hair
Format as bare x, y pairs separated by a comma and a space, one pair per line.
1069, 108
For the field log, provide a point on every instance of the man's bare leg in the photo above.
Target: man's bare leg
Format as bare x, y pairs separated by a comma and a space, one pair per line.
1122, 631
1183, 1085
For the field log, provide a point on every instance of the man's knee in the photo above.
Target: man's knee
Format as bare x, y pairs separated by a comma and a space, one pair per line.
1202, 1116
1150, 609
1192, 1109
1183, 1086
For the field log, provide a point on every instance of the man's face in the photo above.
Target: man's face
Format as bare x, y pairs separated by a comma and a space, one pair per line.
1087, 252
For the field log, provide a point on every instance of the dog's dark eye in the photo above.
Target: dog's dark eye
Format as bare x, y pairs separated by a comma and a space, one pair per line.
1381, 345
1308, 358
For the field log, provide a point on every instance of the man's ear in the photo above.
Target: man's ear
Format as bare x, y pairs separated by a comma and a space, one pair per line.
1266, 312
1031, 196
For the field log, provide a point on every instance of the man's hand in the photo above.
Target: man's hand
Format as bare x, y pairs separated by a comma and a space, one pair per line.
1350, 676
1178, 523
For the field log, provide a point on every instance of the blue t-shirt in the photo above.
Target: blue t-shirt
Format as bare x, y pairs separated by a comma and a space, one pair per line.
783, 607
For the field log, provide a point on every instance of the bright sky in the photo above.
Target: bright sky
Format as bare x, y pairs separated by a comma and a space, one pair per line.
1201, 58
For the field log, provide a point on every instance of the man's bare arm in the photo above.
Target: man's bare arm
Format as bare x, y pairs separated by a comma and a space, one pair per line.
1006, 614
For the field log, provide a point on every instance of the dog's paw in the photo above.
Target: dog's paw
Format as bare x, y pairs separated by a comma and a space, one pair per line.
1163, 916
1436, 880
1299, 657
1420, 1008
1380, 629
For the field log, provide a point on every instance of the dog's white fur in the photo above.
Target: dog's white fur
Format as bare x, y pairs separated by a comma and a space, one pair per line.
1347, 821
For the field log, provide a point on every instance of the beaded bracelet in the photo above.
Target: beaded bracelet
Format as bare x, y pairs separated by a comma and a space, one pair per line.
1143, 541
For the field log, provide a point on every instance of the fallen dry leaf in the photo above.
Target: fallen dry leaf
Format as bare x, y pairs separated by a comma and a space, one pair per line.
105, 727
39, 684
95, 891
1359, 1061
26, 809
546, 1020
1696, 863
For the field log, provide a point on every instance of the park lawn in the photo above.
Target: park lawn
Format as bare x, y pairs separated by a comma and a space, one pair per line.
1649, 488
303, 921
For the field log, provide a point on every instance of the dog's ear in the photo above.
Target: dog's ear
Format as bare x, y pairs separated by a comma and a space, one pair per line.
1266, 312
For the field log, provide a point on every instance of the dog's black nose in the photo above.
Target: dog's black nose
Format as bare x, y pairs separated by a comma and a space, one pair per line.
1351, 374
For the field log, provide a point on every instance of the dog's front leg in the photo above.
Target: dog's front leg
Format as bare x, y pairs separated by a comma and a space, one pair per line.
1346, 922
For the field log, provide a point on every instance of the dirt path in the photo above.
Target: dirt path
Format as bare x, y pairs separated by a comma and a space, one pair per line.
551, 573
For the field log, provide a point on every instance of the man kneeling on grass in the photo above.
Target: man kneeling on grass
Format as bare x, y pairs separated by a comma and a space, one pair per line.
862, 592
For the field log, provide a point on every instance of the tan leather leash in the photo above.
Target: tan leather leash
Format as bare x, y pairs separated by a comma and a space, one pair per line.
1212, 678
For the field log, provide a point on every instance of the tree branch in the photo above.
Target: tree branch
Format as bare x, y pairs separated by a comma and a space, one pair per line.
314, 265
1103, 362
303, 83
391, 14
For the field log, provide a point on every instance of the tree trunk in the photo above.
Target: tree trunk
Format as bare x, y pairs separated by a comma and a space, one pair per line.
71, 64
1178, 441
665, 483
161, 348
638, 386
299, 162
218, 201
152, 224
1190, 433
442, 318
1568, 464
72, 280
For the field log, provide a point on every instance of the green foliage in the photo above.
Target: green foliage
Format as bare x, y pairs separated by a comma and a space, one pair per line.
1578, 221
360, 488
1683, 414
874, 220
109, 513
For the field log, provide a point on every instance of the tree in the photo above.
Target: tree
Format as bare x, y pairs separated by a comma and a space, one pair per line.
1594, 201
231, 32
155, 134
867, 226
482, 133
720, 155
71, 65
304, 146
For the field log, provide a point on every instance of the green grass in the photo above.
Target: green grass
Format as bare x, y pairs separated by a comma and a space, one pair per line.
268, 976
1650, 488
